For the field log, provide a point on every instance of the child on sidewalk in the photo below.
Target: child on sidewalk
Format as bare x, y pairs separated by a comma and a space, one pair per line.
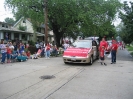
35, 56
9, 51
102, 56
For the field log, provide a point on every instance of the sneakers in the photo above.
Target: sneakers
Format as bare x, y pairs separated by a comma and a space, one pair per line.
47, 58
113, 63
105, 64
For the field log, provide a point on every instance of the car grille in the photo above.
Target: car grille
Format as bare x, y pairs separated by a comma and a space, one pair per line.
73, 60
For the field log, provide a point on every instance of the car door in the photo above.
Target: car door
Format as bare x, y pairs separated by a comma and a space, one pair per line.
95, 49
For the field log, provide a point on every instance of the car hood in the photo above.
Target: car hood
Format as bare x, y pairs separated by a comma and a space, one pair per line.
77, 52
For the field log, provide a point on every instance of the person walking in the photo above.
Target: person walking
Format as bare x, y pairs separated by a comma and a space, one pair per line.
114, 49
103, 44
47, 51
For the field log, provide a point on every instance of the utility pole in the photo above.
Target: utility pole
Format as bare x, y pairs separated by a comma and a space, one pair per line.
45, 19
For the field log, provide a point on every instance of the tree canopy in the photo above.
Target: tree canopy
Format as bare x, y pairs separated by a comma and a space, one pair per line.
70, 17
127, 18
9, 20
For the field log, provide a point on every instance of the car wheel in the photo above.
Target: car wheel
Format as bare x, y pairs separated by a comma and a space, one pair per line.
65, 62
91, 61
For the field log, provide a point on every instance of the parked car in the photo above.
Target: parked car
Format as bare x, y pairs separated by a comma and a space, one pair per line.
82, 51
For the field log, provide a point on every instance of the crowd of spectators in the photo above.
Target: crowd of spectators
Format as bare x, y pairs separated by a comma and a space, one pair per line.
10, 51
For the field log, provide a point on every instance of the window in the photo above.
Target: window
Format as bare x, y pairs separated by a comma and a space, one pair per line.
16, 35
24, 37
6, 26
94, 43
82, 44
3, 25
24, 21
38, 29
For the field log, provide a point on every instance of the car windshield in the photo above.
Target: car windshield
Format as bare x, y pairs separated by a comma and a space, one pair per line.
82, 44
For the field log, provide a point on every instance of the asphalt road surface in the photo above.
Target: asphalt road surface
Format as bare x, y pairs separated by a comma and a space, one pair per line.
52, 79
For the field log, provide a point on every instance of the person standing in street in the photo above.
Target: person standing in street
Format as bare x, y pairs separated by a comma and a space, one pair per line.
114, 49
102, 56
37, 46
47, 51
103, 44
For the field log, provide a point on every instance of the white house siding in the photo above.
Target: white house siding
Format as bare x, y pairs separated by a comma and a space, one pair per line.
27, 24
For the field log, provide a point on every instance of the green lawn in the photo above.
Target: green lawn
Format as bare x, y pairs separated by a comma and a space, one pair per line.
130, 48
132, 53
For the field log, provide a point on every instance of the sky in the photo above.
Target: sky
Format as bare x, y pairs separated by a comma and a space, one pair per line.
4, 13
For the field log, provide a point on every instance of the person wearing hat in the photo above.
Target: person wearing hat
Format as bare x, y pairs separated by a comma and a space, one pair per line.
114, 49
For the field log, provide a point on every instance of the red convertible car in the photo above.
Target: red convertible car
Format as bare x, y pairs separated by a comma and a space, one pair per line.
82, 51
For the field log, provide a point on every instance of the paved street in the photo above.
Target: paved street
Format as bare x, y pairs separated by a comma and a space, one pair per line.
26, 80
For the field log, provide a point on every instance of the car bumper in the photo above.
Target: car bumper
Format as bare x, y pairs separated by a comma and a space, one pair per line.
76, 59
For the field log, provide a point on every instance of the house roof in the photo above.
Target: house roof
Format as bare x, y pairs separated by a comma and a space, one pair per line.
13, 30
22, 18
6, 23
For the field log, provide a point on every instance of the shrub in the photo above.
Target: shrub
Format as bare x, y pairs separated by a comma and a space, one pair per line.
32, 49
31, 43
132, 53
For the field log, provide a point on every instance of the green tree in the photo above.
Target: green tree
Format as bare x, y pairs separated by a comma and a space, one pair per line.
9, 20
122, 32
65, 16
127, 19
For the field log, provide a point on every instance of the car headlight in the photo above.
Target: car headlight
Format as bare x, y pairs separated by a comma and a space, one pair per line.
88, 55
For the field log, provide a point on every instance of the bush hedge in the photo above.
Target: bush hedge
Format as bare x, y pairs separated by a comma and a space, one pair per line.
32, 49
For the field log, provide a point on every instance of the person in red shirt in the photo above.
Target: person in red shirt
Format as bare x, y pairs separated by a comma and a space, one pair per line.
47, 51
102, 56
114, 48
28, 54
9, 51
104, 44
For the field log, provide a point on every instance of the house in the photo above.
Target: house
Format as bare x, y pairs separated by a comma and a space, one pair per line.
8, 32
26, 25
23, 31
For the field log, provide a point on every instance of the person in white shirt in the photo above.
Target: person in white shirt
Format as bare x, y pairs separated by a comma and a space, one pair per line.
37, 46
3, 51
66, 45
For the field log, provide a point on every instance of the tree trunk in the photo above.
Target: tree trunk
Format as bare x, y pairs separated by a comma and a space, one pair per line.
57, 35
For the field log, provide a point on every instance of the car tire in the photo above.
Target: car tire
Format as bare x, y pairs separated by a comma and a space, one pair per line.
65, 62
91, 61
